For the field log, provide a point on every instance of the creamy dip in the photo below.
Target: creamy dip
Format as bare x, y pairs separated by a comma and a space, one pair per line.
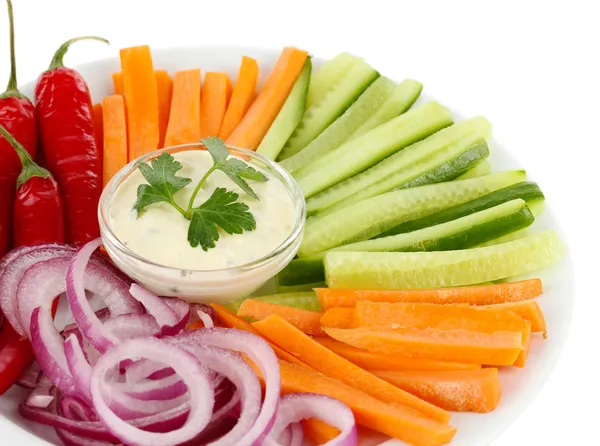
160, 234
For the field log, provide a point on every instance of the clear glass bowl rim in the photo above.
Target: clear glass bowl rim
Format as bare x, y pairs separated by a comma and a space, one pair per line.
289, 182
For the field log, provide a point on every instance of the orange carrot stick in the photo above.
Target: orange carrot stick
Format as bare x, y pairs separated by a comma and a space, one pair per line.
374, 361
164, 85
184, 118
454, 390
97, 113
304, 320
263, 111
230, 320
399, 422
327, 362
485, 319
243, 94
216, 92
319, 432
115, 136
499, 348
473, 295
528, 310
118, 83
141, 97
338, 317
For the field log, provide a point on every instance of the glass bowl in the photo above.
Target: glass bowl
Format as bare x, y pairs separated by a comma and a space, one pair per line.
219, 285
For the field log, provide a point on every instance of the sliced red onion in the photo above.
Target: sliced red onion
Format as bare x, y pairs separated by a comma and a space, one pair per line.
182, 310
70, 439
206, 319
127, 326
84, 316
261, 353
48, 347
12, 267
127, 407
42, 395
79, 367
297, 434
185, 365
30, 378
147, 390
296, 407
163, 313
76, 409
146, 369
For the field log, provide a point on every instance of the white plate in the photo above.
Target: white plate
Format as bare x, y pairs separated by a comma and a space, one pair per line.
519, 386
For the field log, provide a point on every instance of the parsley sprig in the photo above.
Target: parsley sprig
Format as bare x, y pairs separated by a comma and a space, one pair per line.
221, 210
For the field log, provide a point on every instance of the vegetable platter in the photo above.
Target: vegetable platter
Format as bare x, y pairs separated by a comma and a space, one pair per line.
410, 284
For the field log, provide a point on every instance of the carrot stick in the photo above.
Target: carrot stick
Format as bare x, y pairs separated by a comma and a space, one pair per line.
454, 390
499, 348
216, 92
399, 422
473, 295
184, 118
528, 310
97, 113
164, 85
230, 320
118, 83
319, 432
304, 320
115, 136
263, 111
338, 317
375, 361
243, 94
485, 319
282, 333
141, 97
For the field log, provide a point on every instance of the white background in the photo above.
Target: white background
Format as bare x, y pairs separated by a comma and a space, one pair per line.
530, 67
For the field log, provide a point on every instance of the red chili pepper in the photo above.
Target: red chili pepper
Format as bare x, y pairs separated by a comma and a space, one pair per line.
38, 218
17, 114
64, 110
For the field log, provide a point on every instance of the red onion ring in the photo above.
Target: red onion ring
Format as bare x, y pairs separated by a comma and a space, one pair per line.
205, 318
127, 326
70, 439
42, 395
76, 409
185, 365
163, 313
297, 434
80, 369
295, 407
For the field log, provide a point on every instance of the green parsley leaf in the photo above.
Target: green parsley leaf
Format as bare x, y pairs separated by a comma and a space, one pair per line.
221, 210
162, 180
234, 168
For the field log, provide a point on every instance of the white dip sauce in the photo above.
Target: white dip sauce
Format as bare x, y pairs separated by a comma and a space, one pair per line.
160, 234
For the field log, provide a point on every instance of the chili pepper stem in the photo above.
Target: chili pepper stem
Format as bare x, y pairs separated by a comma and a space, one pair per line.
11, 90
57, 60
29, 167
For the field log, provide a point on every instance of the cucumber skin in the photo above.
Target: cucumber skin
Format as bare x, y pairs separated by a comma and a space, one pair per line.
301, 300
514, 217
526, 190
351, 157
339, 131
329, 73
302, 271
303, 286
446, 171
483, 168
371, 217
322, 114
400, 100
288, 117
400, 270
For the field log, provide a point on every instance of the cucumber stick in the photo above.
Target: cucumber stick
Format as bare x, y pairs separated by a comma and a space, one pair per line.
402, 98
401, 270
288, 117
462, 233
303, 300
528, 191
483, 168
375, 215
300, 287
466, 232
329, 74
506, 238
334, 135
408, 164
360, 153
335, 101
